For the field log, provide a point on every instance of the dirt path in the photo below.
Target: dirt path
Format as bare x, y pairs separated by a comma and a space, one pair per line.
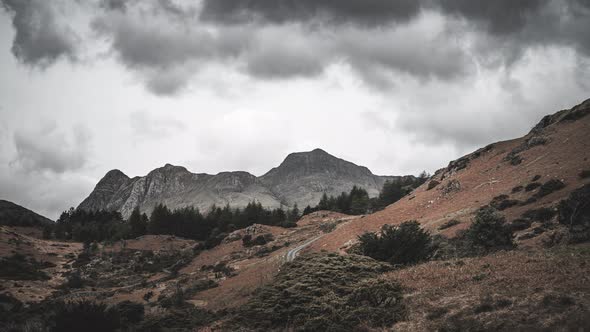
293, 253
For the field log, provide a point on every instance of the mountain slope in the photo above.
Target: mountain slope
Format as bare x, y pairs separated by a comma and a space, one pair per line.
15, 215
302, 178
558, 148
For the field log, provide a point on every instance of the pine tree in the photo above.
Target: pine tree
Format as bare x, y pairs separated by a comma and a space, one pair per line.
158, 220
137, 223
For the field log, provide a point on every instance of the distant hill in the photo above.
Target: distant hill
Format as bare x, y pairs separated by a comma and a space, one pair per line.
302, 178
15, 215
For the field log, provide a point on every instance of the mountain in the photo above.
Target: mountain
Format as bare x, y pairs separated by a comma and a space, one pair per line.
302, 178
15, 215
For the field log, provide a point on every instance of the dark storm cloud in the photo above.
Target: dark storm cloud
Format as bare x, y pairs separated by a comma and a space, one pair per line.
39, 39
365, 12
50, 150
498, 16
120, 5
167, 42
514, 26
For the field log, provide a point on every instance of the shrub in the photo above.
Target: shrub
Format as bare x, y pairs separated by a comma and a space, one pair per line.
147, 296
18, 267
514, 159
288, 224
517, 189
74, 280
532, 186
403, 244
130, 313
488, 231
327, 227
184, 318
432, 184
377, 301
528, 201
85, 316
324, 292
247, 240
519, 225
502, 202
549, 187
260, 240
585, 174
574, 212
542, 214
449, 224
222, 268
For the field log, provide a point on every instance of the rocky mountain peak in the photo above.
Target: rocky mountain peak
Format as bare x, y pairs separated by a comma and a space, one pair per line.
114, 175
316, 161
302, 178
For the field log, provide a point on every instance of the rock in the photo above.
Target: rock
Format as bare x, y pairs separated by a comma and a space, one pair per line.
451, 186
234, 236
432, 184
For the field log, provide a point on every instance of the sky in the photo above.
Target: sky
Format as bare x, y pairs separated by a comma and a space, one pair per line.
221, 85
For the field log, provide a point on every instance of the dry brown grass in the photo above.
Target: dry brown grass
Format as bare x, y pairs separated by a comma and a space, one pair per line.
520, 281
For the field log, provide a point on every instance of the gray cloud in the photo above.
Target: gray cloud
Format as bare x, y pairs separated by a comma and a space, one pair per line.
512, 27
498, 16
167, 43
366, 12
40, 39
145, 124
167, 53
50, 150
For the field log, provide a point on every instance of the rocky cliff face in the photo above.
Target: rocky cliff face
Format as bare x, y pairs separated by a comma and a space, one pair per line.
301, 179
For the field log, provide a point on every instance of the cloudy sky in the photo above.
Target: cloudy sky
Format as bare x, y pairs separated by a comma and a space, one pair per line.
215, 85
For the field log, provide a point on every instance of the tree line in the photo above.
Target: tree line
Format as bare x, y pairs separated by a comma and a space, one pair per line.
90, 226
357, 201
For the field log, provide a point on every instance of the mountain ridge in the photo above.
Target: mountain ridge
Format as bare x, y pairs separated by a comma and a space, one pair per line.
12, 214
302, 178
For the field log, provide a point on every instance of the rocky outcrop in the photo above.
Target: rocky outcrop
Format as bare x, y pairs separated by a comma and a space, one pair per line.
302, 178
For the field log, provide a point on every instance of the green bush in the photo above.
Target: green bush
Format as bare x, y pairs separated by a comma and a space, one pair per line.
532, 186
517, 189
502, 202
542, 214
549, 187
405, 244
574, 212
488, 231
449, 224
18, 267
324, 292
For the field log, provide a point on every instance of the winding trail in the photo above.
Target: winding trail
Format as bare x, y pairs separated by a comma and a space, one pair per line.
293, 253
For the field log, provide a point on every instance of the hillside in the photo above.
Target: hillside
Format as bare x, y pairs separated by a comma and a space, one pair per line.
558, 147
15, 215
300, 179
